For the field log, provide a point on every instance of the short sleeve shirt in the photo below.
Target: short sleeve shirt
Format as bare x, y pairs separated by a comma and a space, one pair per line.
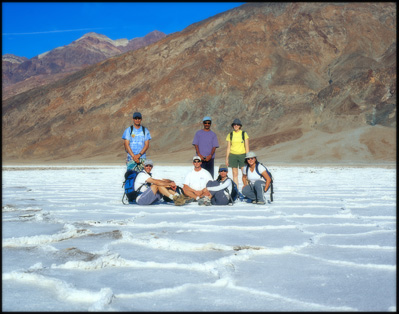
237, 144
206, 140
197, 180
136, 140
254, 176
141, 181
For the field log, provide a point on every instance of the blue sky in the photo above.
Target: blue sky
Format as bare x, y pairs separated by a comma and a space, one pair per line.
29, 29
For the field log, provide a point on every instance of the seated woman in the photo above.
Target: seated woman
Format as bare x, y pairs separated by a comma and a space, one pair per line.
256, 179
219, 191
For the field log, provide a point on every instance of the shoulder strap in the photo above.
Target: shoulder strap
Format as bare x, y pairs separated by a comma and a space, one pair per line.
257, 168
243, 136
131, 129
231, 136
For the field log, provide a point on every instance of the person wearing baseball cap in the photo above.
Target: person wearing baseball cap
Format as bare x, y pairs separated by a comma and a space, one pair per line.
136, 140
205, 142
152, 190
196, 180
219, 191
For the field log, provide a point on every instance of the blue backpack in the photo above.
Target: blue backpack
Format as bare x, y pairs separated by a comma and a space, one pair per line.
270, 175
130, 193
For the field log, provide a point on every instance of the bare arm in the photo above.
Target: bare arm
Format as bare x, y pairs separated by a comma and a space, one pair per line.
246, 145
228, 153
268, 179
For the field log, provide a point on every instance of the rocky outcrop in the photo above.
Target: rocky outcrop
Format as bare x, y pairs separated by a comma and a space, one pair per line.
296, 74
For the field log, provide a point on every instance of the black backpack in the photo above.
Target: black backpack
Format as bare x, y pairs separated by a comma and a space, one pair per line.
131, 130
270, 175
243, 136
128, 184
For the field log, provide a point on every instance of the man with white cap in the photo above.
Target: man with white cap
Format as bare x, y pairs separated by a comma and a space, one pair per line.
195, 181
206, 142
152, 189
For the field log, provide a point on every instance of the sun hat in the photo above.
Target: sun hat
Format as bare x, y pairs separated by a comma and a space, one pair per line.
137, 115
207, 119
250, 155
223, 167
196, 157
148, 162
236, 121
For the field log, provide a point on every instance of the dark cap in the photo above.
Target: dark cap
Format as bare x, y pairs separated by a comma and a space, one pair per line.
137, 115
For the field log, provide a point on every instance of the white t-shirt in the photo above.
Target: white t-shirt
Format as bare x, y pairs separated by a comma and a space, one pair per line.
197, 180
140, 180
254, 176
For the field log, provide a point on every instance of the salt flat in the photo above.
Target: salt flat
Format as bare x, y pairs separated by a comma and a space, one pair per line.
326, 243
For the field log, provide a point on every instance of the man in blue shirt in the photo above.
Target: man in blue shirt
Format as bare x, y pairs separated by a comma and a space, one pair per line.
206, 142
136, 139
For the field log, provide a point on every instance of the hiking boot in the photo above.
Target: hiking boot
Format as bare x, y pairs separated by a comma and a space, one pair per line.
253, 202
260, 203
179, 200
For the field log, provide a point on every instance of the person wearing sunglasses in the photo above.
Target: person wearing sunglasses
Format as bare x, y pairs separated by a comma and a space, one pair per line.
196, 180
136, 140
205, 142
152, 190
257, 184
237, 147
218, 191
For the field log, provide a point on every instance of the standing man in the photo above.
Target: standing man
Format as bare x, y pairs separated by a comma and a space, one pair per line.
136, 140
206, 142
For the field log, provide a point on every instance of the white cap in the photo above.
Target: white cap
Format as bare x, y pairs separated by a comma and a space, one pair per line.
148, 162
196, 157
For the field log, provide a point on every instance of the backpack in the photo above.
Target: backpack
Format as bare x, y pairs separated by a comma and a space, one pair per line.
243, 136
234, 191
270, 175
130, 193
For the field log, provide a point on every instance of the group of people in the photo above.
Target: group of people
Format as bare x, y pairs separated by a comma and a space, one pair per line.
199, 184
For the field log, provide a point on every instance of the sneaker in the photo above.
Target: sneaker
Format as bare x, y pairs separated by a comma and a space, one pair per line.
260, 203
204, 201
179, 200
253, 202
207, 201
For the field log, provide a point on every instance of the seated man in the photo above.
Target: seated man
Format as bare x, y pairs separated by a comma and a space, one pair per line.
196, 180
219, 191
153, 189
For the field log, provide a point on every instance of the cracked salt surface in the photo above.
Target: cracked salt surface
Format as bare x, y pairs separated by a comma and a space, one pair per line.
326, 243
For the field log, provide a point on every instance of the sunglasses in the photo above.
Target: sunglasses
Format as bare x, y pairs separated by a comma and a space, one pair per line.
207, 122
137, 118
148, 166
223, 171
236, 124
250, 158
197, 160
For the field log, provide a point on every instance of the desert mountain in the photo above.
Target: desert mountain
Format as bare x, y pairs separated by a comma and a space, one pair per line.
21, 74
311, 82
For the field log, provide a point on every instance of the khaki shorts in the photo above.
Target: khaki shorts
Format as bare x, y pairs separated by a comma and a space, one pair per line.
236, 161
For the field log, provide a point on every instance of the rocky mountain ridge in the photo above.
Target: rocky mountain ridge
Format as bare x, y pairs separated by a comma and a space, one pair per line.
21, 74
310, 82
